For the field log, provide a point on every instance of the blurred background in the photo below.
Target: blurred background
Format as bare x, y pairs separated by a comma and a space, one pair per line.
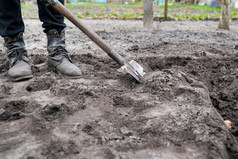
133, 9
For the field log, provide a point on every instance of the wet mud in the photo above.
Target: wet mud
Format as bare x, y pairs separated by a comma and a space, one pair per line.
190, 88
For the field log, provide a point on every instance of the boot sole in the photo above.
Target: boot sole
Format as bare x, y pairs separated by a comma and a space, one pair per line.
58, 72
72, 77
21, 78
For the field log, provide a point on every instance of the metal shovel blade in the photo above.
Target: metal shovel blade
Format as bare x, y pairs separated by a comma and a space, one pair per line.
134, 69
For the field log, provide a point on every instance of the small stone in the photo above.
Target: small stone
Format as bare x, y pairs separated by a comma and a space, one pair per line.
125, 131
2, 111
179, 75
236, 107
223, 70
133, 137
228, 123
76, 125
113, 136
103, 138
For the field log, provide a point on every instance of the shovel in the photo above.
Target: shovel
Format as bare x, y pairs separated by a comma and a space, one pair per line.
132, 67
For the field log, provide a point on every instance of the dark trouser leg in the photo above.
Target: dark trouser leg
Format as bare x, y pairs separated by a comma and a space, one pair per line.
51, 18
11, 23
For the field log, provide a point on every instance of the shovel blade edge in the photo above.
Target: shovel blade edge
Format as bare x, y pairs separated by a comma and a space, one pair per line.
134, 69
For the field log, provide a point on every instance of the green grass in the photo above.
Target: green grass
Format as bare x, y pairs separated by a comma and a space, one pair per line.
190, 6
92, 4
234, 14
86, 12
181, 16
23, 6
114, 13
94, 16
79, 15
202, 15
23, 15
100, 12
128, 15
34, 16
214, 15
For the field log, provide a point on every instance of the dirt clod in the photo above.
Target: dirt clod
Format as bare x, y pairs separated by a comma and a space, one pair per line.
40, 84
52, 112
13, 110
59, 149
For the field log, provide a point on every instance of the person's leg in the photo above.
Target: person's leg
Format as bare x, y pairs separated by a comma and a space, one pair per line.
51, 18
11, 29
11, 23
54, 27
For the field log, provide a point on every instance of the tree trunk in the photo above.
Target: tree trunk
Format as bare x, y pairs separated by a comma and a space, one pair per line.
225, 15
196, 1
166, 9
174, 1
148, 13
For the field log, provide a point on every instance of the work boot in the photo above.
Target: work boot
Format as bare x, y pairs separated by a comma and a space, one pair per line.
58, 58
19, 67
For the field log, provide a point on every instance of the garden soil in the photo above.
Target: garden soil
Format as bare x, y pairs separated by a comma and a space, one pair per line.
178, 112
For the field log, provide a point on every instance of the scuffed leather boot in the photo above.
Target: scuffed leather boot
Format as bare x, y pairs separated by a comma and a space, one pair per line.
58, 57
19, 67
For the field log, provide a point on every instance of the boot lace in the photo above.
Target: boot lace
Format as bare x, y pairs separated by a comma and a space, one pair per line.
59, 50
17, 55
